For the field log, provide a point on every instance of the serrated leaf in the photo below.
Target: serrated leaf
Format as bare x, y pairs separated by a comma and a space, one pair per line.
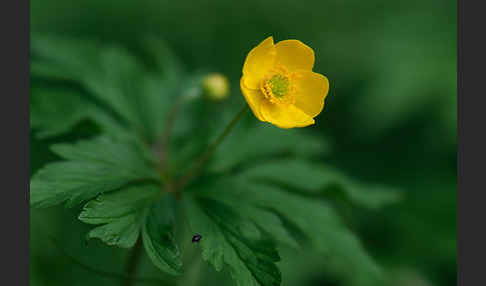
267, 221
158, 238
315, 219
122, 214
227, 239
263, 141
107, 208
122, 232
321, 224
322, 180
91, 167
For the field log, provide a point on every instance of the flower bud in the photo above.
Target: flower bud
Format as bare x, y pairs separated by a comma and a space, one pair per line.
216, 86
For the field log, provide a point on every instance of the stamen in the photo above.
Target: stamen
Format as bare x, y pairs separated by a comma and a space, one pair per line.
277, 86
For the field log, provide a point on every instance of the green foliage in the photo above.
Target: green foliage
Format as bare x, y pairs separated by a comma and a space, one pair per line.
260, 192
111, 76
158, 237
390, 118
65, 109
121, 213
259, 147
318, 180
230, 240
55, 111
315, 220
90, 168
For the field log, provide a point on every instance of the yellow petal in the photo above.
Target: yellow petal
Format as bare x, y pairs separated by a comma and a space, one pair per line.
254, 98
311, 90
294, 55
285, 116
258, 62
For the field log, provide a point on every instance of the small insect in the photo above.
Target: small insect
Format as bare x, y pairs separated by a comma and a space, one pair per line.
196, 238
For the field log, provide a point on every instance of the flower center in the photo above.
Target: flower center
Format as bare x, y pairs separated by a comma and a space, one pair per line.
279, 84
277, 87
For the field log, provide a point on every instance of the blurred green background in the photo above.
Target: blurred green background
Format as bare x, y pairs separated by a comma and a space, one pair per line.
390, 117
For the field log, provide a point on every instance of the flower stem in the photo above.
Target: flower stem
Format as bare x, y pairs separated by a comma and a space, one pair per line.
193, 172
132, 263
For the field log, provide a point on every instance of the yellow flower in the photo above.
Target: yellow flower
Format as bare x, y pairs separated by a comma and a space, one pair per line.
279, 85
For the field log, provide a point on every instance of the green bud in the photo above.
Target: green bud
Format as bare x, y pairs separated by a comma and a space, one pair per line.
216, 86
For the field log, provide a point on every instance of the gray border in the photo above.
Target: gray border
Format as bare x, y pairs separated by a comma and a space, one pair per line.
14, 123
471, 155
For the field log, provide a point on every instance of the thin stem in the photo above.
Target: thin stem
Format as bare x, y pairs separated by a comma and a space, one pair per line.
132, 264
193, 172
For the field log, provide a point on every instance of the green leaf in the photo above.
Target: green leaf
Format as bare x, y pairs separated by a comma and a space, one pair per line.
109, 73
122, 233
263, 141
122, 214
114, 77
322, 180
119, 84
228, 239
158, 238
322, 226
160, 97
107, 208
45, 107
315, 219
48, 121
91, 167
267, 221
